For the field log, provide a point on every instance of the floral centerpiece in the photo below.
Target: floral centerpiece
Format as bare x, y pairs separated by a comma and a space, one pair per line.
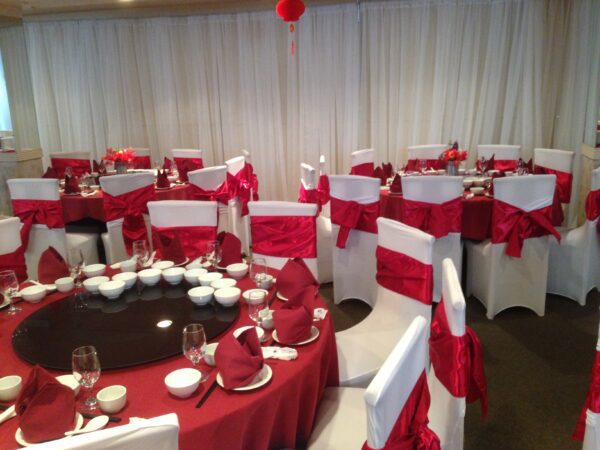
120, 157
453, 156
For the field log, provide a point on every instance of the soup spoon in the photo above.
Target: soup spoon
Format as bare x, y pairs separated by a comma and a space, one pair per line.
95, 424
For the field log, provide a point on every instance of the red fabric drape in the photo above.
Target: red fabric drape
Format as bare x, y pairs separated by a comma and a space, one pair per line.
244, 186
364, 169
564, 181
43, 212
185, 165
309, 196
592, 400
15, 261
78, 166
435, 219
141, 162
284, 236
193, 240
221, 194
351, 215
323, 189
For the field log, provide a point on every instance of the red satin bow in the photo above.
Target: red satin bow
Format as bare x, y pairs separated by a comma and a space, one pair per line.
592, 207
513, 225
436, 219
309, 196
458, 360
353, 215
15, 261
193, 240
284, 236
404, 275
592, 400
243, 185
410, 431
130, 206
221, 194
365, 169
564, 181
185, 165
43, 212
323, 189
78, 166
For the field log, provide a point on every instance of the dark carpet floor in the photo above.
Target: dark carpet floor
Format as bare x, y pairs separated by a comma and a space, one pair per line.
538, 370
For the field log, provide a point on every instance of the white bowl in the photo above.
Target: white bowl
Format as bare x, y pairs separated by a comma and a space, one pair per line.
69, 381
128, 266
112, 399
112, 289
191, 275
259, 332
149, 276
64, 284
129, 278
467, 183
162, 265
173, 275
266, 282
201, 295
10, 387
91, 284
209, 354
223, 283
237, 270
33, 294
477, 190
228, 296
207, 278
478, 182
183, 382
196, 264
94, 270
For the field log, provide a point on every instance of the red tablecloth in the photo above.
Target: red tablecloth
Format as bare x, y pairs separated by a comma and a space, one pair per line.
278, 415
76, 207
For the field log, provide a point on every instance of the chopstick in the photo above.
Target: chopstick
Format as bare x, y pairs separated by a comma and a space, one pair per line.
207, 394
273, 297
91, 416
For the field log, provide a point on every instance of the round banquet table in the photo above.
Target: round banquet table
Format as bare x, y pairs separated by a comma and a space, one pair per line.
278, 415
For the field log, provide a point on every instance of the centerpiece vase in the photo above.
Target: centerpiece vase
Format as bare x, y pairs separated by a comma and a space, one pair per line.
121, 167
452, 168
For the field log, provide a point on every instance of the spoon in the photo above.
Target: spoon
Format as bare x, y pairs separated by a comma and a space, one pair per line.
8, 414
97, 423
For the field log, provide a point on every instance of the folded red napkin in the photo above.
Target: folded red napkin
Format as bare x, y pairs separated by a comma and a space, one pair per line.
167, 164
388, 170
50, 173
294, 277
71, 184
171, 249
45, 408
239, 360
396, 186
162, 181
529, 166
51, 266
231, 248
293, 322
488, 166
378, 173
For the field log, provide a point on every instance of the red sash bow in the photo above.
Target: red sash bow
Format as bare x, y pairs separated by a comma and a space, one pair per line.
43, 212
592, 400
404, 275
353, 215
309, 196
458, 360
410, 431
432, 164
592, 206
185, 165
15, 261
284, 236
513, 225
436, 219
130, 206
221, 194
243, 185
141, 162
365, 169
323, 189
78, 166
193, 240
564, 181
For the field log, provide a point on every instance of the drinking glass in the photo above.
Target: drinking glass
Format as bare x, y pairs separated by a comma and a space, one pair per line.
76, 264
194, 344
141, 253
9, 285
257, 302
483, 162
214, 254
422, 165
258, 271
86, 370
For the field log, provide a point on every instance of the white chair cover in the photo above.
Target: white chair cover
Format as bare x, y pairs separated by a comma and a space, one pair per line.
116, 185
238, 225
437, 189
284, 209
363, 156
10, 230
500, 281
41, 237
183, 213
354, 266
429, 151
446, 412
507, 152
209, 179
363, 348
85, 156
574, 265
186, 153
554, 159
157, 433
246, 155
591, 439
326, 208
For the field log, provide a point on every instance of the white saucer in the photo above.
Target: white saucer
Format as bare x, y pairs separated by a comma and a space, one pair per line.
22, 442
246, 294
259, 332
260, 380
314, 334
281, 297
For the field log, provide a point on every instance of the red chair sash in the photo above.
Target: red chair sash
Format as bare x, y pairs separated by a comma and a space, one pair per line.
505, 165
410, 431
592, 400
432, 164
365, 169
309, 196
351, 215
513, 225
78, 166
323, 189
592, 207
221, 194
42, 212
243, 185
564, 181
193, 240
141, 162
458, 360
284, 236
436, 219
404, 275
130, 206
15, 261
185, 165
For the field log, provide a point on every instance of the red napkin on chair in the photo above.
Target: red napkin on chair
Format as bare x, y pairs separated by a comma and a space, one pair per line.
50, 173
378, 173
99, 168
294, 277
45, 408
167, 164
396, 186
231, 248
51, 266
239, 360
171, 249
388, 170
71, 184
293, 322
162, 181
489, 165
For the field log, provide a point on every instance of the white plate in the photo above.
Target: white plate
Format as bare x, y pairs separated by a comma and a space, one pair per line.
314, 334
281, 297
246, 294
4, 304
22, 442
260, 380
259, 332
162, 265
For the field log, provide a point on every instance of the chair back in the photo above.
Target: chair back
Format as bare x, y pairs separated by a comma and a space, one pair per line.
10, 230
454, 299
429, 151
246, 155
208, 178
595, 185
561, 160
186, 153
234, 165
363, 156
183, 213
33, 189
78, 161
363, 190
502, 152
308, 176
432, 189
142, 159
526, 193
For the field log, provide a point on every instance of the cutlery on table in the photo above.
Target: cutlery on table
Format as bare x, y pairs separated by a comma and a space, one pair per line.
8, 414
91, 416
97, 423
207, 394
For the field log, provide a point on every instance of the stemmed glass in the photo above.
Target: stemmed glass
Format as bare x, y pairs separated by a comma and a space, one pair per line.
76, 265
422, 165
214, 254
194, 345
483, 162
259, 271
9, 285
257, 302
141, 253
86, 370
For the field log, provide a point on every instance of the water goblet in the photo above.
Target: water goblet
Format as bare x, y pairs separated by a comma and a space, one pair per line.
257, 302
258, 271
194, 345
86, 370
141, 253
9, 286
76, 264
483, 163
214, 254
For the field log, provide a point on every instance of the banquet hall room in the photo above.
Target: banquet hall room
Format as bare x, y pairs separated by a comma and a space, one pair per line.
300, 224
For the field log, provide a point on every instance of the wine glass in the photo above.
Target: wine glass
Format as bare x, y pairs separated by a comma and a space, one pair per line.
141, 253
422, 165
194, 344
257, 302
214, 254
9, 285
86, 370
483, 162
258, 271
76, 264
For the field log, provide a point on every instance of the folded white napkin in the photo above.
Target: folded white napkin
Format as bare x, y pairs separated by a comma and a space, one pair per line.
283, 353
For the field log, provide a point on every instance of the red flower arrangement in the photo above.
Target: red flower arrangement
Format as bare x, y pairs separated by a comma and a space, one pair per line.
454, 154
119, 154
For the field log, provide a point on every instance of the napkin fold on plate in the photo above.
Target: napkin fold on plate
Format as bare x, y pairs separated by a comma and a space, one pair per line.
45, 408
488, 166
171, 249
379, 173
396, 186
388, 170
231, 248
293, 322
51, 266
50, 173
239, 359
162, 181
99, 167
71, 185
294, 277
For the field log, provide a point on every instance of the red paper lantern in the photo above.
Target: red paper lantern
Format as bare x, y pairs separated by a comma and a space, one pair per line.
290, 10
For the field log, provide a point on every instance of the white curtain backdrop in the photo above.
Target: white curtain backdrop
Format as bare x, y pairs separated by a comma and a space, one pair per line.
386, 75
